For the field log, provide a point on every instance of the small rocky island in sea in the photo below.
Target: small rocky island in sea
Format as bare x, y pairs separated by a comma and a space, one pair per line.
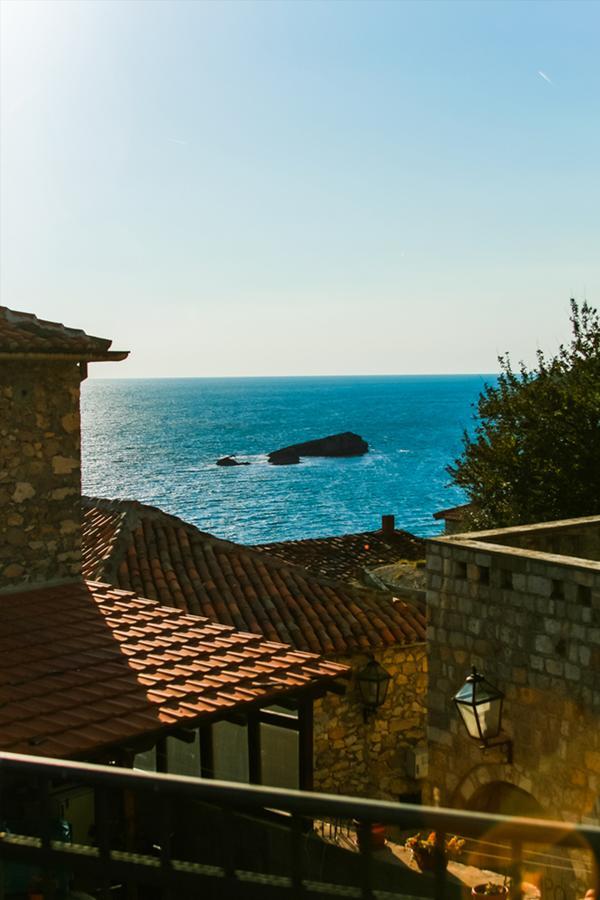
345, 444
231, 461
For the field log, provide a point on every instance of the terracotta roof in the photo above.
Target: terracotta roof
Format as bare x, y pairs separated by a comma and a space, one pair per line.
102, 527
454, 513
348, 556
164, 558
24, 333
86, 665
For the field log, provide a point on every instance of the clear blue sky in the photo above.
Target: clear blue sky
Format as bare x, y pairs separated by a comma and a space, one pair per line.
251, 188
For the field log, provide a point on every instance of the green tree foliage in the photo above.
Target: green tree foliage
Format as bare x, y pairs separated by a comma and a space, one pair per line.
534, 455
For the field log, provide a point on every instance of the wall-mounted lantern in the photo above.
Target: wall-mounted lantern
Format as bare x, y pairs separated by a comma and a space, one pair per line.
373, 682
480, 706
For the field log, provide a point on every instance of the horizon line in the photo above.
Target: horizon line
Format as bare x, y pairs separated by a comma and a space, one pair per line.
249, 377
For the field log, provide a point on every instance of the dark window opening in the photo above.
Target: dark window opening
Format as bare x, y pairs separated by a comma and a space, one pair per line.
460, 569
483, 573
506, 579
584, 595
558, 590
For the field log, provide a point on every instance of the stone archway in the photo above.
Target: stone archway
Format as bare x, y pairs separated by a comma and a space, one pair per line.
497, 787
553, 870
506, 799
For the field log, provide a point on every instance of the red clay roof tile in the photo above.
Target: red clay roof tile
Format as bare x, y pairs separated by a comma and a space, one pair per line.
148, 551
84, 665
348, 556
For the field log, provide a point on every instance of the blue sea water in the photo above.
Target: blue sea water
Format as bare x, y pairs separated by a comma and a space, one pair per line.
157, 440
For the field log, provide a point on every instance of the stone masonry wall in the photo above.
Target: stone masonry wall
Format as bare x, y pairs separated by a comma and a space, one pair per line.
580, 540
532, 626
40, 475
368, 759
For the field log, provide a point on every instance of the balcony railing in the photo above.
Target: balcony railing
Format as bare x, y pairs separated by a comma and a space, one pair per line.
174, 837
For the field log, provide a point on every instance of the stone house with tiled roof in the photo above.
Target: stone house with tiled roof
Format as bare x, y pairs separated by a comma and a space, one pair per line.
146, 550
455, 518
351, 558
88, 669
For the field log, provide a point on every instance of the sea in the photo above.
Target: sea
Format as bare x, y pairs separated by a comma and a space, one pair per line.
157, 441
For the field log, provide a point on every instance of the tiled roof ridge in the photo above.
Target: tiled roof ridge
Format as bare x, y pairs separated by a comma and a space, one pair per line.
155, 555
103, 566
135, 511
46, 331
347, 558
377, 532
132, 513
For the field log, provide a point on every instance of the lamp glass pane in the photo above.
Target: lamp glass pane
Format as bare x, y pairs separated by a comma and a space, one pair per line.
369, 691
489, 717
484, 692
468, 716
373, 684
465, 695
383, 689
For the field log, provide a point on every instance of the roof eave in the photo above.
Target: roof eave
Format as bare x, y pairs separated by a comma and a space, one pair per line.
107, 356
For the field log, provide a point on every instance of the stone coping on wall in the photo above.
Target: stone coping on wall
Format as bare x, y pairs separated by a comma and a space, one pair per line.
486, 543
573, 562
556, 525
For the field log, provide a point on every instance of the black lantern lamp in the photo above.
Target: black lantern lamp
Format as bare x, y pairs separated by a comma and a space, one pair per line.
480, 706
373, 682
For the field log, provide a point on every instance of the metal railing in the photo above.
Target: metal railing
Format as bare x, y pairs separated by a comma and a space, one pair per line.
174, 837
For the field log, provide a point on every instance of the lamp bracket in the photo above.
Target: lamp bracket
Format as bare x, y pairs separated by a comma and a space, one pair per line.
500, 743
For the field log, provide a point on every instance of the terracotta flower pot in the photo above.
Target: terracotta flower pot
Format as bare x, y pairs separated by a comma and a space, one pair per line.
426, 859
487, 891
375, 836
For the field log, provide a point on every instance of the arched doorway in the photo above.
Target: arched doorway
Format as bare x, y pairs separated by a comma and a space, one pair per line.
506, 799
549, 868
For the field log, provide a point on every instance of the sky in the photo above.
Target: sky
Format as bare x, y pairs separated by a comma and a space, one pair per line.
294, 188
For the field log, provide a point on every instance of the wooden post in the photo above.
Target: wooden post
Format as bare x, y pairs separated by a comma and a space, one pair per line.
161, 755
305, 744
254, 760
207, 765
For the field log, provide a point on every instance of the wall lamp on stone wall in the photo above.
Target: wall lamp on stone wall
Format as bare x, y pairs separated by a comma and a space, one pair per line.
373, 682
480, 706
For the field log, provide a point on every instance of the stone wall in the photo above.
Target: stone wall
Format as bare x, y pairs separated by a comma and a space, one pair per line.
40, 476
531, 623
367, 759
575, 538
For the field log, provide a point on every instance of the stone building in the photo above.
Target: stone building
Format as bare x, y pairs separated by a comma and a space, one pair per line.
144, 549
89, 670
455, 518
522, 605
372, 756
93, 683
41, 367
351, 558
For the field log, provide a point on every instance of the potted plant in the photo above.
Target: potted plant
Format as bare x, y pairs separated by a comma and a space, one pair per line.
491, 890
371, 833
423, 850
